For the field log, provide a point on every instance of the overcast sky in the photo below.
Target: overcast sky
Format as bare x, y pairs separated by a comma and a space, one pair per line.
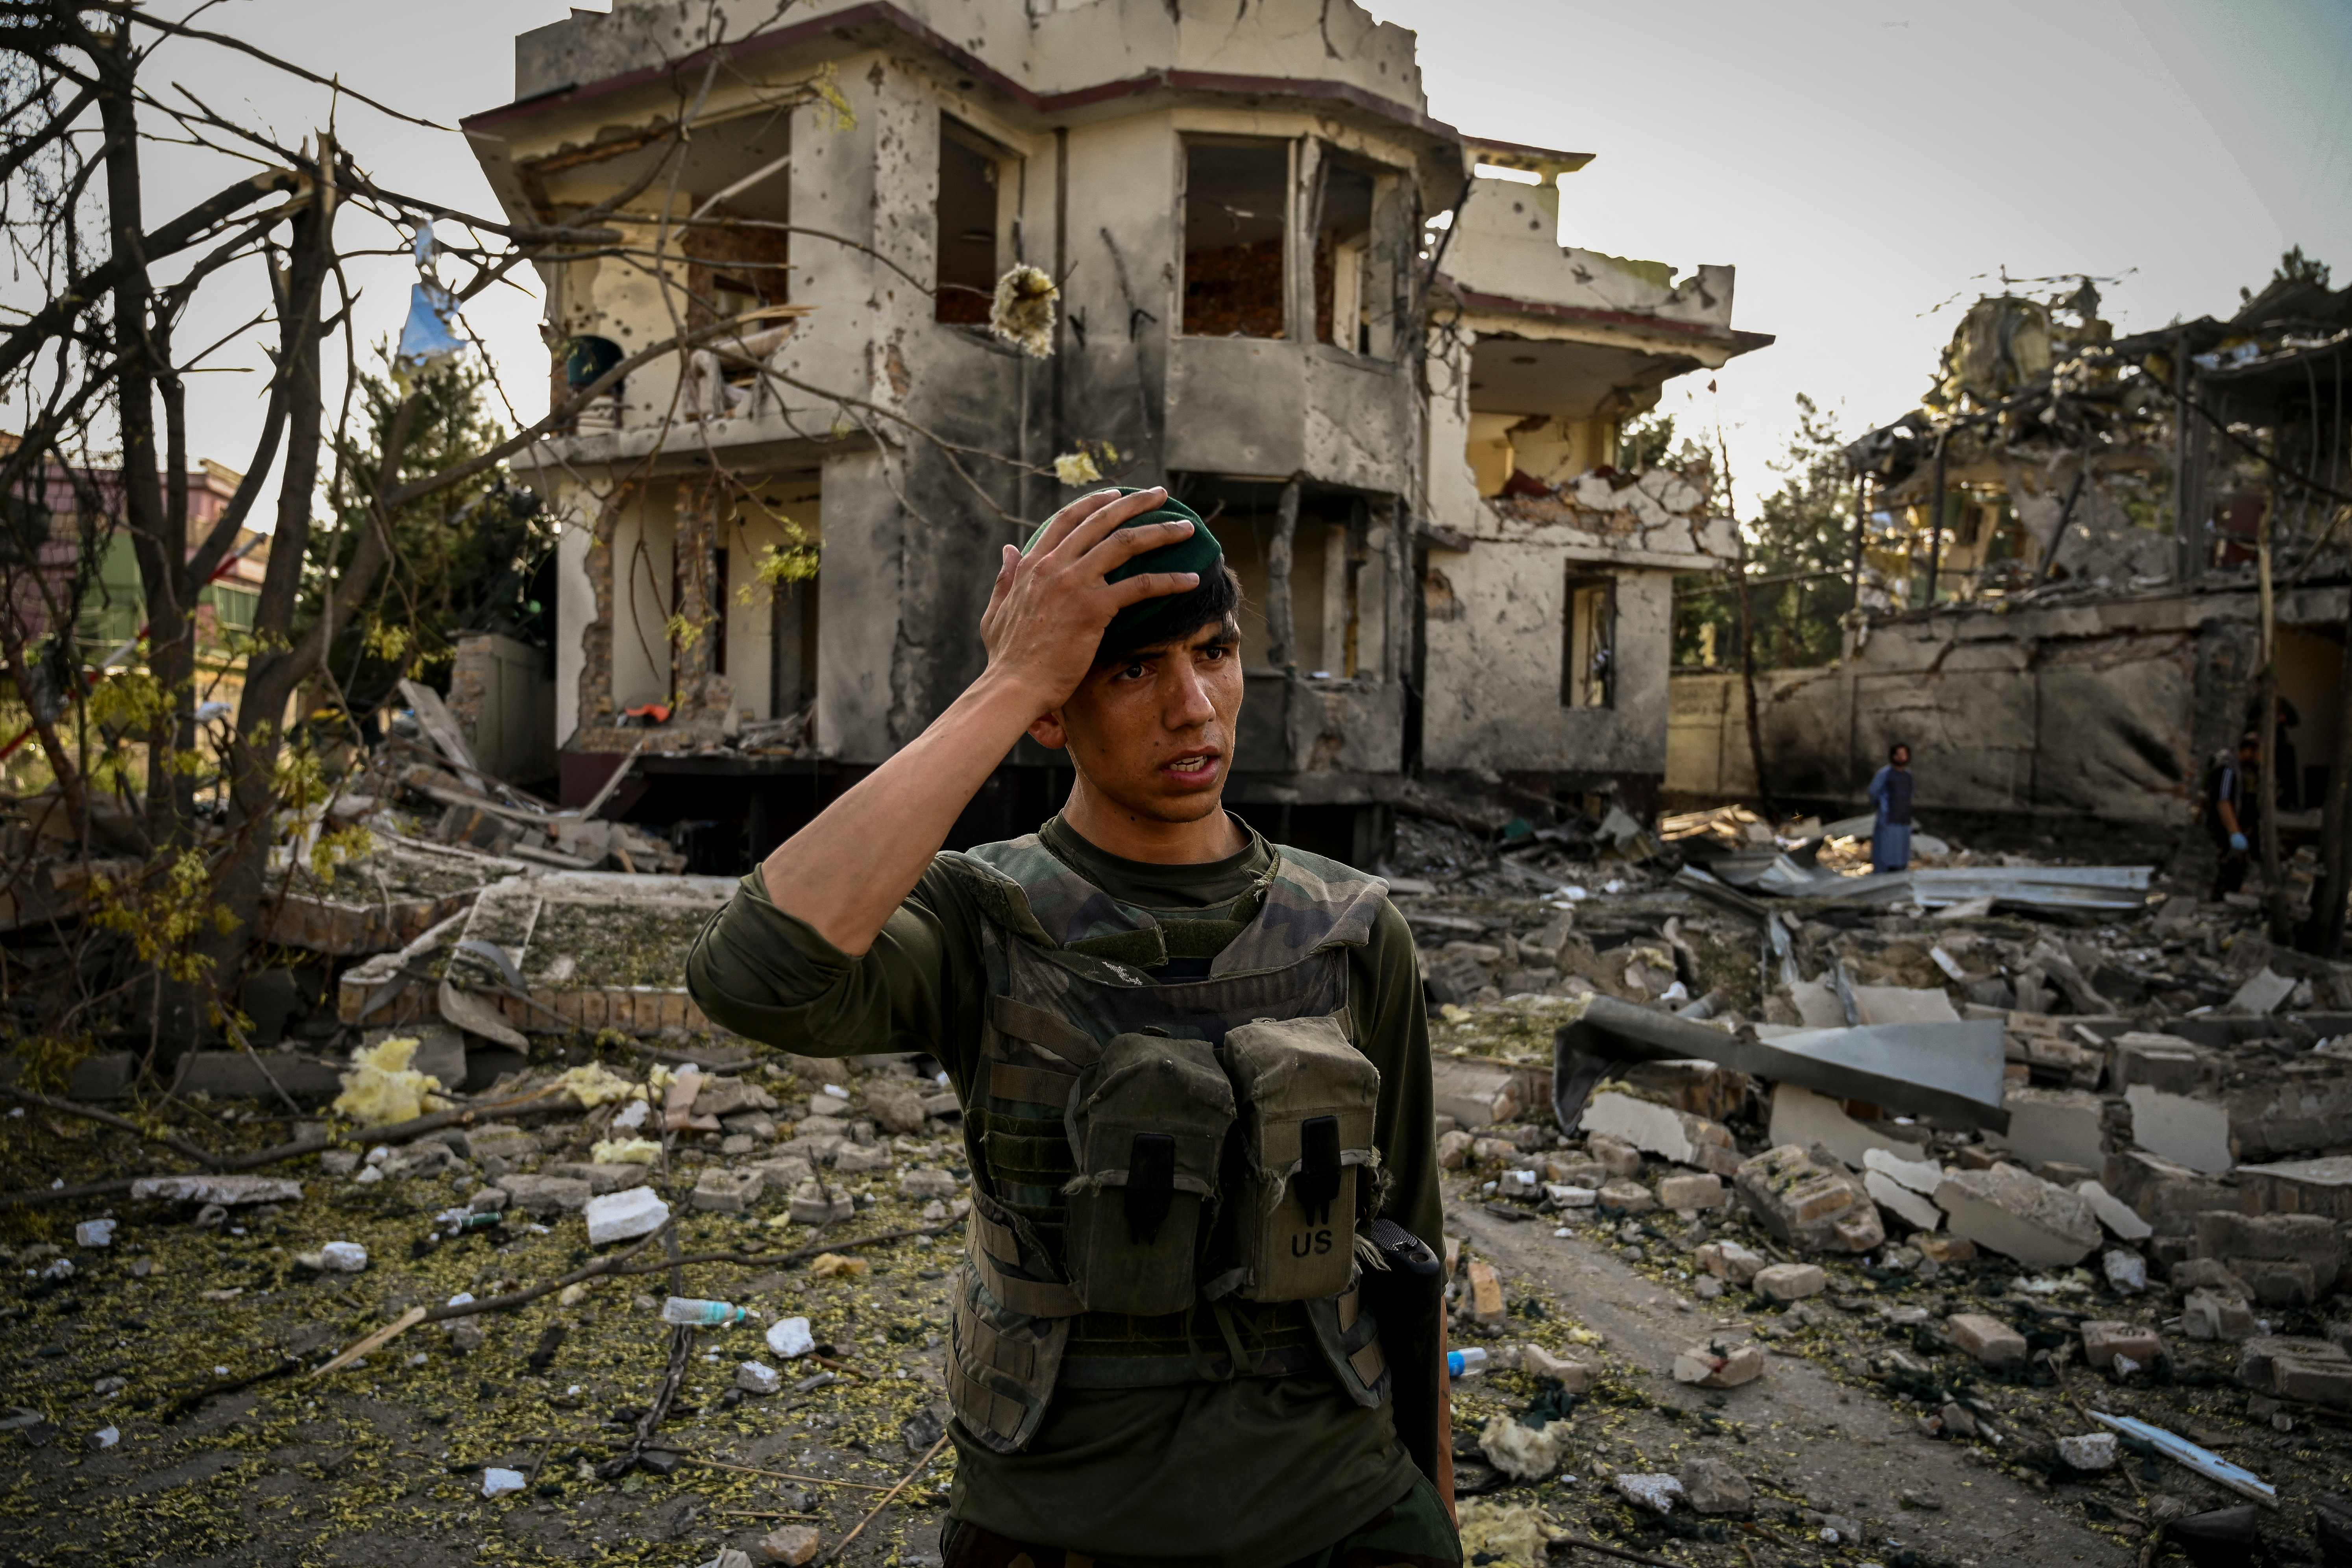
1867, 168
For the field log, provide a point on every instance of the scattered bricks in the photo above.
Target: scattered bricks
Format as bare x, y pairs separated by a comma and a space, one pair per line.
625, 1215
1718, 1160
2321, 1380
785, 1171
1454, 1150
2205, 1315
1946, 1249
1790, 1281
1488, 1151
726, 1192
1475, 1093
2165, 1062
1990, 1341
2313, 1372
2061, 1124
1960, 1421
1711, 1366
601, 1179
792, 1546
928, 1183
852, 1158
1691, 1192
1486, 1304
814, 1204
2303, 1103
2278, 1283
1627, 1197
1730, 1262
2019, 1216
2309, 1238
1659, 1129
1558, 1172
1575, 1376
1811, 1206
725, 1097
757, 1377
1566, 1197
2090, 1452
1616, 1156
1713, 1486
546, 1194
2320, 1186
2166, 1194
2104, 1340
2210, 1274
2255, 1357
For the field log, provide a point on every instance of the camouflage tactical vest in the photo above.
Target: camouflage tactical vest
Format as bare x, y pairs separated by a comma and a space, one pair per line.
1167, 1168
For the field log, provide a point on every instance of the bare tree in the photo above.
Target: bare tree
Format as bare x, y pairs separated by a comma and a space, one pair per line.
178, 862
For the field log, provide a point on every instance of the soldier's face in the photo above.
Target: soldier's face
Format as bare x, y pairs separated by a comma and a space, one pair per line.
1154, 732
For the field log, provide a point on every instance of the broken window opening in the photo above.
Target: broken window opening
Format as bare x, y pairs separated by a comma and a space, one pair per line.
1346, 290
791, 646
1589, 665
1236, 234
964, 221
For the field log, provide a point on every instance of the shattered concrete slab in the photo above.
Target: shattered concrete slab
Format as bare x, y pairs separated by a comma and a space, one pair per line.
2014, 1213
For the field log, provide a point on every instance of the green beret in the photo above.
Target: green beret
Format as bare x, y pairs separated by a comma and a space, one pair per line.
1199, 553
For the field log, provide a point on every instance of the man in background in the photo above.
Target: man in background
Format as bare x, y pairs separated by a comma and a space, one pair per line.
2230, 810
1890, 796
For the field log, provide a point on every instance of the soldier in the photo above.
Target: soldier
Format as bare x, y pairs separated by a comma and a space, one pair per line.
1194, 1069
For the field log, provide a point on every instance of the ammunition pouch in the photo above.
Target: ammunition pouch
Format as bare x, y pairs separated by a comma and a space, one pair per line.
1307, 1099
1148, 1125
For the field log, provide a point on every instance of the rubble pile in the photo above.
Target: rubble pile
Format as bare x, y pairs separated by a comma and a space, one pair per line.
2033, 1172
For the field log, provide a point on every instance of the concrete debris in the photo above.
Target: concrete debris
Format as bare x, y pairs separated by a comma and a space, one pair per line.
2019, 1216
1715, 1486
623, 1216
1711, 1366
1657, 1493
228, 1191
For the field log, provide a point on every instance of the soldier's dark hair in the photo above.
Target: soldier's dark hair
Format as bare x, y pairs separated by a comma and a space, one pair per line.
1899, 746
1212, 603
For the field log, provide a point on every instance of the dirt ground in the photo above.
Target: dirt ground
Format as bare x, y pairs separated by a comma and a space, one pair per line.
382, 1463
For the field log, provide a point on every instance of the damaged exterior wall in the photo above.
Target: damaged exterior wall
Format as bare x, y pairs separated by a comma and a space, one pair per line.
2107, 710
1089, 118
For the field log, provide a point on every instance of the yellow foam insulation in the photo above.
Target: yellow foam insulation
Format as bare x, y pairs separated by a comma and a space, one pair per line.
626, 1152
382, 1087
596, 1084
1493, 1531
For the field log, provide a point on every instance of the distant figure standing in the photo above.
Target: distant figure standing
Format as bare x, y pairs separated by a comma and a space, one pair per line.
1890, 793
2230, 808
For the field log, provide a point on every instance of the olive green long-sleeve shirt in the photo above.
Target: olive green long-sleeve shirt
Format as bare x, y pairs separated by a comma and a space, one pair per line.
1253, 1471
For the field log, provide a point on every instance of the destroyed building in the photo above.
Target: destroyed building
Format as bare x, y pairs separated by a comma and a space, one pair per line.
1281, 285
2059, 565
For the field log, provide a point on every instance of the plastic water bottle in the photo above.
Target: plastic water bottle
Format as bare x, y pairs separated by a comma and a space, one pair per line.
702, 1314
1465, 1363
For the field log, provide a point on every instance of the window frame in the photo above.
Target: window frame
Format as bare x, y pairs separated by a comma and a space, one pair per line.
1291, 148
1575, 672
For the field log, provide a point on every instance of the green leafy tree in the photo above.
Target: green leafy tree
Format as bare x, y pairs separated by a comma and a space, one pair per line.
1799, 548
463, 557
